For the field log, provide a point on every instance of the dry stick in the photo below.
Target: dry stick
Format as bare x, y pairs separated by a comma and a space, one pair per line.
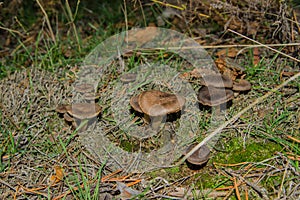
245, 45
283, 179
8, 185
72, 21
226, 46
47, 21
235, 117
236, 188
296, 20
295, 59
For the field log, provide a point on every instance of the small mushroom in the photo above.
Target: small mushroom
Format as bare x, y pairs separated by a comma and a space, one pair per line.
127, 78
84, 88
241, 85
216, 80
200, 156
84, 110
91, 96
79, 111
211, 96
156, 104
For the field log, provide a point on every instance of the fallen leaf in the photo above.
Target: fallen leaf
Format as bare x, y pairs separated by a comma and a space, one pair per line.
231, 52
58, 176
142, 36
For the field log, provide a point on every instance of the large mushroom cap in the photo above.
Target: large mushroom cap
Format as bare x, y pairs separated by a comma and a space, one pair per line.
241, 85
84, 110
214, 96
216, 80
157, 103
135, 104
200, 156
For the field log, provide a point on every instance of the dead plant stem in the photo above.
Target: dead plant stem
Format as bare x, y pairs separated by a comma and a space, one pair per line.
268, 47
47, 21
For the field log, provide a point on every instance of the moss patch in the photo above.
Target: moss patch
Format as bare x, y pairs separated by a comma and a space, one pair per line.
237, 152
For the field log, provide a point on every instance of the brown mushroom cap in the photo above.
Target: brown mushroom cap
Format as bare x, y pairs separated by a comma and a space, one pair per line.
84, 110
84, 88
157, 103
61, 108
127, 78
241, 85
216, 80
214, 96
68, 118
200, 156
134, 103
91, 96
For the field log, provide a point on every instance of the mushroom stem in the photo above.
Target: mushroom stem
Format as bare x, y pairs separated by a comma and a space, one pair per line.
156, 122
81, 125
217, 112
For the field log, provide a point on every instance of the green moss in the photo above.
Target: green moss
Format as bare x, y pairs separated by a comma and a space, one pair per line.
173, 170
253, 151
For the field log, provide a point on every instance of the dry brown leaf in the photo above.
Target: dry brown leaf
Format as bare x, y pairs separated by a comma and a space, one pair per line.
231, 52
58, 176
142, 36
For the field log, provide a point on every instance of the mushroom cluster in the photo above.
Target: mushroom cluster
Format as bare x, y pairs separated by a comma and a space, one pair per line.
155, 105
218, 89
79, 112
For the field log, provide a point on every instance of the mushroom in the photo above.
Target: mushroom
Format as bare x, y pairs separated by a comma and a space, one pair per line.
216, 80
79, 111
84, 88
127, 78
200, 156
211, 96
87, 91
156, 104
135, 104
91, 96
241, 85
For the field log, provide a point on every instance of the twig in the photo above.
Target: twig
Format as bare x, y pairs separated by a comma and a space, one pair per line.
292, 138
235, 117
72, 19
268, 47
283, 179
13, 31
168, 5
295, 17
255, 187
8, 185
236, 188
